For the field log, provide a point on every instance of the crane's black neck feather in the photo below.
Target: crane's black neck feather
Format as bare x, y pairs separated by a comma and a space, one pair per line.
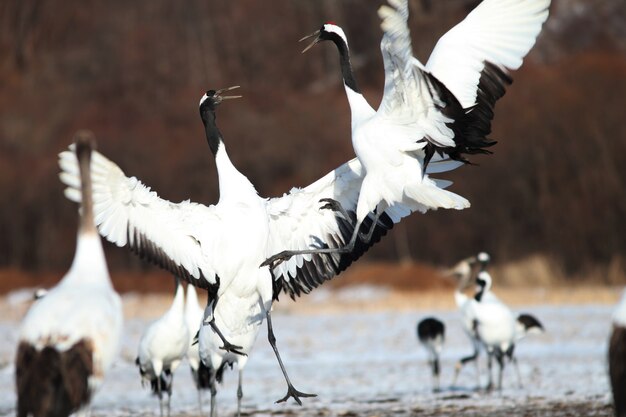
213, 134
344, 62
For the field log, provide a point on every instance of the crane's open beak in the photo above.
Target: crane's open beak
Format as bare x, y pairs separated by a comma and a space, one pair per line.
316, 40
223, 90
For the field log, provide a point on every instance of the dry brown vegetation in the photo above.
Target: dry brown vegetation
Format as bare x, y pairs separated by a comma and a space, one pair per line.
133, 73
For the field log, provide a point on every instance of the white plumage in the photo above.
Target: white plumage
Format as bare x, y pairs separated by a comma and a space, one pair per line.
162, 347
78, 322
442, 108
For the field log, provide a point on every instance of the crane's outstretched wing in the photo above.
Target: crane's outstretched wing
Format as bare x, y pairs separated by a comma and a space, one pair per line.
127, 212
452, 97
298, 222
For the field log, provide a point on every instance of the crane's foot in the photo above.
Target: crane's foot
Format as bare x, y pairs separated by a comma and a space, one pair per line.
229, 347
332, 204
295, 394
279, 258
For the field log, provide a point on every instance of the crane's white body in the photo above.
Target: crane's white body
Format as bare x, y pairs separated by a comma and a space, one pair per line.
164, 343
83, 306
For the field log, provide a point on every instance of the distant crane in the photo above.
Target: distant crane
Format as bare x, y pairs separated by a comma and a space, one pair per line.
617, 358
525, 323
162, 347
444, 107
494, 324
431, 334
70, 337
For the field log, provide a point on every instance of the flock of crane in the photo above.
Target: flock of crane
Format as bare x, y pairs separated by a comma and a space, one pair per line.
488, 322
246, 250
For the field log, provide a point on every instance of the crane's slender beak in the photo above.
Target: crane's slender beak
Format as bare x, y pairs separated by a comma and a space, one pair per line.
316, 40
223, 90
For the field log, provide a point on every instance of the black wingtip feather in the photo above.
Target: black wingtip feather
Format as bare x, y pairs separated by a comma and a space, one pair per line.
470, 125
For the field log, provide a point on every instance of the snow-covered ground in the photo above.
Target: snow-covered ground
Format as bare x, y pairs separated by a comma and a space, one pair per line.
367, 363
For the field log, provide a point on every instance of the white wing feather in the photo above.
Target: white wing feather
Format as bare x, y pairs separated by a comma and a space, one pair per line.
498, 31
128, 212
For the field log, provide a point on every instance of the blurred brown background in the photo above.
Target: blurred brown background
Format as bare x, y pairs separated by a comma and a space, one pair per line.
549, 204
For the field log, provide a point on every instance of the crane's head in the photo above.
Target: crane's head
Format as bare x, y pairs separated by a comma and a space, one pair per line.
483, 259
328, 32
212, 98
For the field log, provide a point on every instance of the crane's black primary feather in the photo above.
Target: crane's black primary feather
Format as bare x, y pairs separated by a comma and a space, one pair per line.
470, 125
323, 267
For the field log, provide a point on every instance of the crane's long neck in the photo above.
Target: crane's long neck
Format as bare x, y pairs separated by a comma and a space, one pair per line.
89, 264
178, 304
484, 285
86, 223
232, 183
346, 66
359, 107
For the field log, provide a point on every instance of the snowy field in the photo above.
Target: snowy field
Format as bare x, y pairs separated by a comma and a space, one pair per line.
370, 364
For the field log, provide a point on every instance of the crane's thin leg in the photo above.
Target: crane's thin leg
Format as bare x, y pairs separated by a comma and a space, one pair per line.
500, 359
169, 393
291, 391
461, 363
160, 394
489, 359
519, 376
436, 372
511, 355
239, 394
213, 389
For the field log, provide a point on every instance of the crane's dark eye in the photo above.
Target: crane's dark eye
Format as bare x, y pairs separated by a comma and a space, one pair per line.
210, 93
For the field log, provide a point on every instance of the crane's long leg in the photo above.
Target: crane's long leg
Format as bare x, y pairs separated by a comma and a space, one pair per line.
489, 360
461, 363
291, 391
275, 260
435, 364
160, 394
511, 355
500, 359
169, 393
239, 394
213, 389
